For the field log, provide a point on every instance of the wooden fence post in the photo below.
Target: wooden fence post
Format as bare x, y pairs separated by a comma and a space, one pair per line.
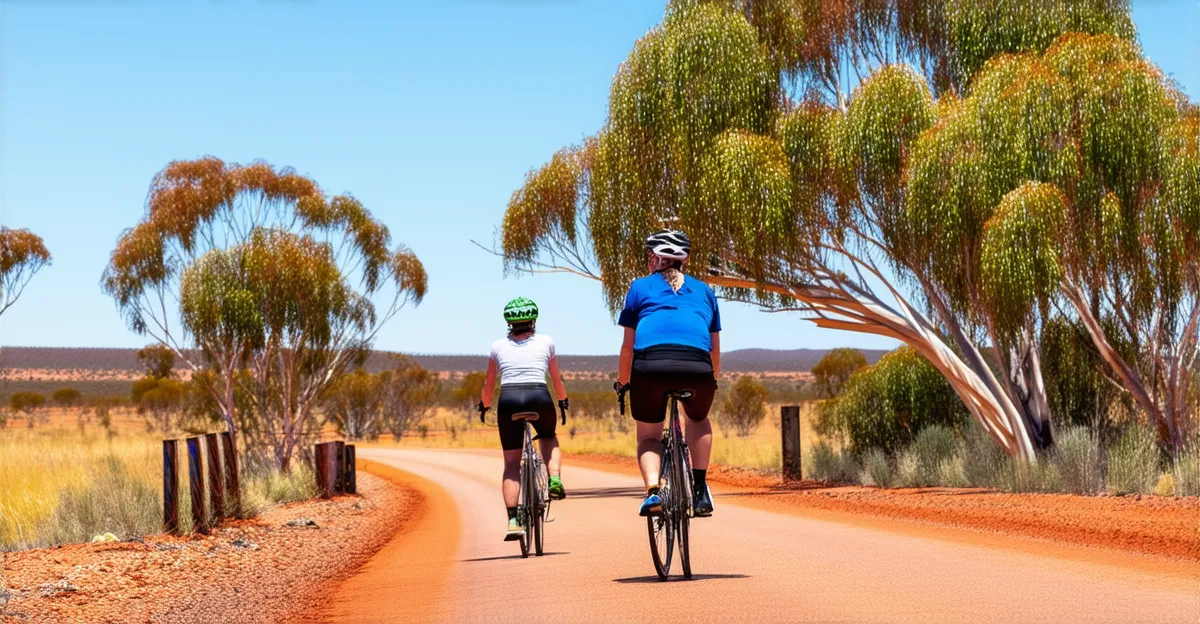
339, 453
351, 471
233, 491
170, 450
196, 485
326, 469
789, 427
216, 480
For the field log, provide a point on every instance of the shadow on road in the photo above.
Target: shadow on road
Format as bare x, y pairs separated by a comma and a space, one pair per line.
695, 577
610, 492
517, 556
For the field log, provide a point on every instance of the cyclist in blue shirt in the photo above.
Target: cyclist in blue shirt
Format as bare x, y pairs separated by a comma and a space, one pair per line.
672, 342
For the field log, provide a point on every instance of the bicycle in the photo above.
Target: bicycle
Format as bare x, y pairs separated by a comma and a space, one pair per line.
534, 506
671, 525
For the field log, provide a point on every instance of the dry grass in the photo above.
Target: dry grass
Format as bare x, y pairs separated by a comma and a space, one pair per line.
54, 465
66, 481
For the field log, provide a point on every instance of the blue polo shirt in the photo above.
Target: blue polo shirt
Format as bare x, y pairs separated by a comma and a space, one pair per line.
662, 316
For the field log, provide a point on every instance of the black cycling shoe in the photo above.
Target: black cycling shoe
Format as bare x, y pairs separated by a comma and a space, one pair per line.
702, 503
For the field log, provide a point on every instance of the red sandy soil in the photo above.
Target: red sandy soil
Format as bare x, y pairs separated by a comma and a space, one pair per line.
276, 574
1150, 525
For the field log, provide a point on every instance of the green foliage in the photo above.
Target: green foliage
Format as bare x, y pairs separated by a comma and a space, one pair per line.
1077, 389
1078, 457
686, 83
1020, 255
66, 397
924, 462
835, 369
887, 405
1133, 462
826, 464
1187, 472
26, 402
745, 405
877, 469
158, 359
979, 30
887, 113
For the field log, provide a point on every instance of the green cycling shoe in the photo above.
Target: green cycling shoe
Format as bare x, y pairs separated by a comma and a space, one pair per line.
557, 491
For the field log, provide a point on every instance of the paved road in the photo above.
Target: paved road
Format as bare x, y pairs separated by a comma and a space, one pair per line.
749, 564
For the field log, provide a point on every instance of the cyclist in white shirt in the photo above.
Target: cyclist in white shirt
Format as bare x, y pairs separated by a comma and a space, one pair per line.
521, 361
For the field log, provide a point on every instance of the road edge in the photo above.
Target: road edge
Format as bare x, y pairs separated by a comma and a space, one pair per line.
418, 558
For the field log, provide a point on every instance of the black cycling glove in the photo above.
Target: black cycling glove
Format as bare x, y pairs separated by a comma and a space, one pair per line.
482, 412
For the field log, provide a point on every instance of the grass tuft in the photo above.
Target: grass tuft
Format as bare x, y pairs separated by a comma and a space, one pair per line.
876, 469
1078, 458
1133, 462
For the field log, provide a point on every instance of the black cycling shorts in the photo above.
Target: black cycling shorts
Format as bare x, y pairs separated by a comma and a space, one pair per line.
661, 369
517, 398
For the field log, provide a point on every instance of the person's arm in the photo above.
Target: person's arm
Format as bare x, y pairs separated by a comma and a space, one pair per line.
716, 354
489, 385
626, 363
560, 390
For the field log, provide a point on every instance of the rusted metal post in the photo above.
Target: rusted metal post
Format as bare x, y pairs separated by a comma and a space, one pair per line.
789, 426
233, 488
216, 480
196, 485
170, 486
351, 471
326, 468
339, 453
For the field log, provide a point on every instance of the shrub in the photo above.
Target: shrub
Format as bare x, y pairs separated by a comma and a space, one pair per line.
835, 369
1021, 476
830, 465
66, 397
113, 502
1077, 456
983, 459
1133, 462
265, 484
876, 469
1187, 472
922, 462
1165, 485
887, 405
745, 405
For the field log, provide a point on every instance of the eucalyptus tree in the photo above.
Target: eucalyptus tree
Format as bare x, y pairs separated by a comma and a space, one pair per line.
822, 48
22, 255
1073, 176
795, 205
273, 283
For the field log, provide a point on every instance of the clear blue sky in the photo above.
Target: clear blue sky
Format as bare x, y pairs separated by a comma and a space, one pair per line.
429, 112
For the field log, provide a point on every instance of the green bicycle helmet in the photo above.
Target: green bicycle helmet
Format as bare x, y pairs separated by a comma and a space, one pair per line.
519, 310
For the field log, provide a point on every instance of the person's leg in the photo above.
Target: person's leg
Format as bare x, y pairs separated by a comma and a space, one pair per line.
511, 487
649, 450
699, 441
552, 455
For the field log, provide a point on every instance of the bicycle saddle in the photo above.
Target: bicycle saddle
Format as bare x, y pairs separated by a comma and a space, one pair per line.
526, 416
680, 394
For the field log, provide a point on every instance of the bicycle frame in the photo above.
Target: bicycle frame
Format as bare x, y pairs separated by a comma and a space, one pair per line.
535, 495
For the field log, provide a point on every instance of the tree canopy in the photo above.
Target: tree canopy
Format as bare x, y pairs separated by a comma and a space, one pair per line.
986, 158
22, 255
262, 272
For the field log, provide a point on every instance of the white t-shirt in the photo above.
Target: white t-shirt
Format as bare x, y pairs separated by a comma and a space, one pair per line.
524, 361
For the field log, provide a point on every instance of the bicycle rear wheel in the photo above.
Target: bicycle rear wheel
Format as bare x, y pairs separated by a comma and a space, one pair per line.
661, 527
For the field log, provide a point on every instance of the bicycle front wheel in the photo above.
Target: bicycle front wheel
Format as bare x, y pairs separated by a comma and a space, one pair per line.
539, 509
683, 504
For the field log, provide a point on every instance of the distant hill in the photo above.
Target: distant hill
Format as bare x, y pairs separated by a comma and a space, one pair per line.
741, 360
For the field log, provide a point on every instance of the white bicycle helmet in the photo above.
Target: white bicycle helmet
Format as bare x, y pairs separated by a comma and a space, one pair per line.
671, 244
